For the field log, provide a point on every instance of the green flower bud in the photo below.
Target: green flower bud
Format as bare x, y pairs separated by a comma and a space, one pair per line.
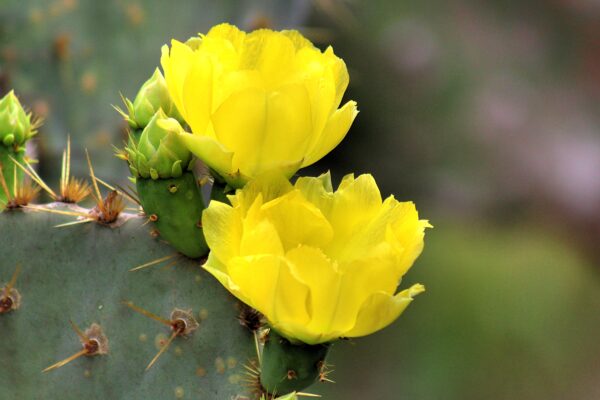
15, 123
152, 96
159, 152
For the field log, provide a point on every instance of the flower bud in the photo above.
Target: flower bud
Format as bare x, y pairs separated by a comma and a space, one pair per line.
15, 123
152, 96
159, 152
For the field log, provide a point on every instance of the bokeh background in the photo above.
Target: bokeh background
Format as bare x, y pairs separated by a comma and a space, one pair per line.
486, 113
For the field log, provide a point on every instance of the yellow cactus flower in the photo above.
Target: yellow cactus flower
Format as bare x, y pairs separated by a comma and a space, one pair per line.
319, 264
257, 102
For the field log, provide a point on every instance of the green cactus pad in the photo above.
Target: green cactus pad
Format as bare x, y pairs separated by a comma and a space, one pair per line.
81, 273
175, 205
288, 367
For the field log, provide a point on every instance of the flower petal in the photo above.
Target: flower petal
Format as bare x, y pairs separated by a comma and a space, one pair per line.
270, 288
335, 130
213, 153
311, 267
381, 309
223, 230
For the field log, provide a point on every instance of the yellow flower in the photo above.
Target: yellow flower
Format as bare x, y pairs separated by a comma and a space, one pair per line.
318, 264
257, 102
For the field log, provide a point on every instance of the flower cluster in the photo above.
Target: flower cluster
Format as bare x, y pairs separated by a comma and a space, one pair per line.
319, 263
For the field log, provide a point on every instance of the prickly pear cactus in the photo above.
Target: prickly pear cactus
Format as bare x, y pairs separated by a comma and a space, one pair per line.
81, 274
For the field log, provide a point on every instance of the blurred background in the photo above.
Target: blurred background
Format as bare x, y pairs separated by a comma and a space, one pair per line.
486, 113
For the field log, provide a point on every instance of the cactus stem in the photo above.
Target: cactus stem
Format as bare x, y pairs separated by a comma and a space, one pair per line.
94, 343
154, 262
10, 298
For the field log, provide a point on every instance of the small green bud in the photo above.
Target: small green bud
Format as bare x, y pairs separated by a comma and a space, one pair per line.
152, 96
159, 152
15, 123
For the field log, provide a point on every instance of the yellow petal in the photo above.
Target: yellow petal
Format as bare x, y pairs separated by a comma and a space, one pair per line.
311, 267
407, 233
270, 287
223, 230
318, 191
176, 63
339, 73
335, 130
269, 52
355, 203
264, 131
229, 32
213, 153
259, 235
219, 270
298, 221
381, 309
197, 93
297, 39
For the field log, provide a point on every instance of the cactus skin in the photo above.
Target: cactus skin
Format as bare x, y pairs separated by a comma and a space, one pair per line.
80, 273
288, 367
177, 204
9, 168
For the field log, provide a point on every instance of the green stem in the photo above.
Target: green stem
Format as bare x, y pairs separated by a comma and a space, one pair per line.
219, 192
287, 367
175, 206
9, 167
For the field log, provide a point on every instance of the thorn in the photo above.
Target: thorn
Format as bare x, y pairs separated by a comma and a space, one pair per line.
129, 194
163, 349
82, 336
12, 281
34, 176
93, 340
61, 212
257, 346
94, 182
154, 262
67, 360
66, 224
147, 313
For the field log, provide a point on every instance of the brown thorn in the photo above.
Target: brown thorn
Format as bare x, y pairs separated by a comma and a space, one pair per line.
67, 360
12, 281
82, 336
153, 262
163, 349
148, 313
93, 176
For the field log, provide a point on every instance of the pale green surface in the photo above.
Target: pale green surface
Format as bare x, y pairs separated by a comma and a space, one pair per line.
81, 273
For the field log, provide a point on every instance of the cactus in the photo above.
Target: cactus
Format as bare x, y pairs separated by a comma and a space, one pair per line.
167, 188
81, 273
